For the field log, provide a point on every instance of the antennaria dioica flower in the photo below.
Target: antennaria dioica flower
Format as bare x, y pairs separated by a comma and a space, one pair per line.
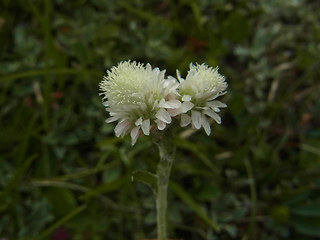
144, 101
198, 92
138, 97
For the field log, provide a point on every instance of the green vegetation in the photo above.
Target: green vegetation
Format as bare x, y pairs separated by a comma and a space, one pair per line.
63, 173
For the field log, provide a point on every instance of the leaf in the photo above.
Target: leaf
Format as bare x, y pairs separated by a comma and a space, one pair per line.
298, 198
307, 226
147, 178
194, 206
310, 210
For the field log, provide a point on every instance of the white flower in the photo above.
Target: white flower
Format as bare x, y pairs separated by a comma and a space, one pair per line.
198, 92
139, 98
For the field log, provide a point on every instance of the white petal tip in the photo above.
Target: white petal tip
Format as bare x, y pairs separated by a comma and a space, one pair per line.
196, 119
146, 127
164, 116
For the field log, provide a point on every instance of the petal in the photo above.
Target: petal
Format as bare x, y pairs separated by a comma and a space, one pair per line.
205, 124
112, 119
138, 122
134, 135
149, 68
174, 112
217, 95
186, 98
171, 83
163, 115
179, 76
146, 127
133, 141
121, 128
155, 70
215, 105
155, 104
169, 104
162, 73
185, 120
160, 124
190, 74
186, 106
174, 103
106, 103
213, 115
196, 119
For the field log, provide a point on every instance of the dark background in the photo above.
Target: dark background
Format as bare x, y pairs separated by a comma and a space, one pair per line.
63, 173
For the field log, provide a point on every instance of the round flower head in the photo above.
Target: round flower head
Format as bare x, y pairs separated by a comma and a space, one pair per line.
138, 97
198, 92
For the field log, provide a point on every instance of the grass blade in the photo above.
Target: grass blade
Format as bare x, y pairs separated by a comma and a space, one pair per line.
187, 199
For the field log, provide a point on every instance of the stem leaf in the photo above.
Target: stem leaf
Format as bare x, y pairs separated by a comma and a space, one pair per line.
147, 178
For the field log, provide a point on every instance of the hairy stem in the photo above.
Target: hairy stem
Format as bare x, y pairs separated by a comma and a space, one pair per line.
167, 151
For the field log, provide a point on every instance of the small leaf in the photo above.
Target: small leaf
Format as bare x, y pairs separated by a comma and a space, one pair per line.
147, 178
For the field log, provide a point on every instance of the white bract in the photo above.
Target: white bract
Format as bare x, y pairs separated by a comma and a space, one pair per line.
138, 97
198, 92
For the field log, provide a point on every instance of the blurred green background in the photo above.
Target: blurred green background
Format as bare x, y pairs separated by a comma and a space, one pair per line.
63, 173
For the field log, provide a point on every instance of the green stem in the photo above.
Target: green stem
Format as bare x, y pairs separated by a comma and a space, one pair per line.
161, 212
167, 151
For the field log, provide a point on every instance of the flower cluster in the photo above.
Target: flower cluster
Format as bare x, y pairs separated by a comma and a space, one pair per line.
142, 99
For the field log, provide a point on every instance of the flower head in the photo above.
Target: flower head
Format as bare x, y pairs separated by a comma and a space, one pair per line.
138, 97
198, 92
